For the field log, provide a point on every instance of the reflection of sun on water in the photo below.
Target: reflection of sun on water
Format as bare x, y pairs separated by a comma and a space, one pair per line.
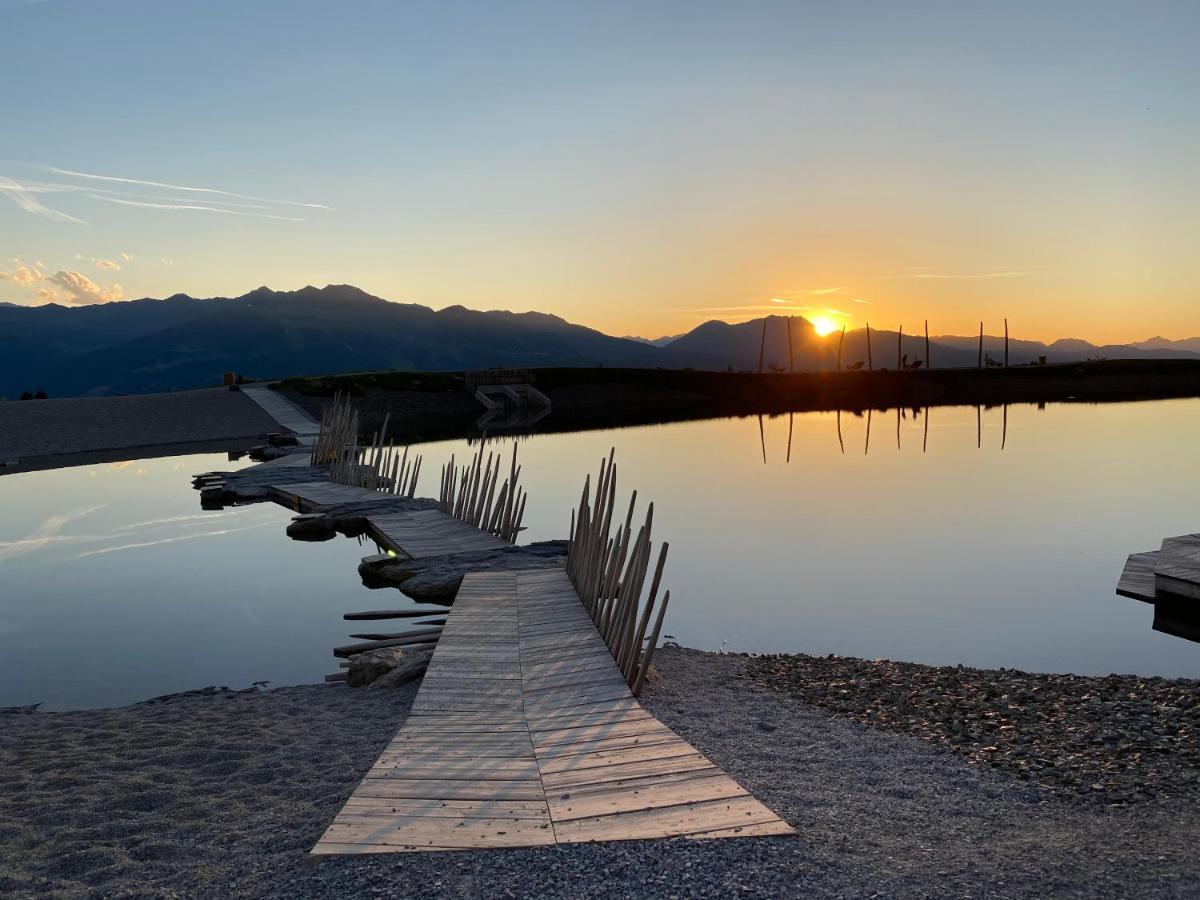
824, 325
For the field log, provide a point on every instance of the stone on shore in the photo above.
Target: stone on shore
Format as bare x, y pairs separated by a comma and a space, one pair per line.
388, 667
437, 578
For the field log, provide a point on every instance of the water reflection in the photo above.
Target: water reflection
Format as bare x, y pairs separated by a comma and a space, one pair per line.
917, 413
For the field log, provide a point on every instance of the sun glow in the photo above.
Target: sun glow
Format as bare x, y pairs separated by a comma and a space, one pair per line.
824, 325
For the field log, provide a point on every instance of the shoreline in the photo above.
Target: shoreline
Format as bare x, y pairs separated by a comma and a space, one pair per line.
224, 792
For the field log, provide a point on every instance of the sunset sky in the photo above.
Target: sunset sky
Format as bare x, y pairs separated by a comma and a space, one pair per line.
638, 167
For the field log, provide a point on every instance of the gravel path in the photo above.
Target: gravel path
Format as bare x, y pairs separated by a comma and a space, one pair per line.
222, 794
1110, 740
56, 428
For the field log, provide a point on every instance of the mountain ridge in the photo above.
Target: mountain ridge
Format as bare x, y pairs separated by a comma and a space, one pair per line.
181, 341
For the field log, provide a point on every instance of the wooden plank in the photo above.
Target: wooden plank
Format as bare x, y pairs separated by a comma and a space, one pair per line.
672, 821
524, 733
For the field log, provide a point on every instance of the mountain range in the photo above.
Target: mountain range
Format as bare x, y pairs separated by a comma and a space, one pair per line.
182, 342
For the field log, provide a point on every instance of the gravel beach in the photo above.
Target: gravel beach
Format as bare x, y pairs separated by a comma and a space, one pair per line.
222, 793
50, 430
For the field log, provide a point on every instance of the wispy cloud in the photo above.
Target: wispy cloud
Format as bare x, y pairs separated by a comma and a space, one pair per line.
194, 206
27, 201
139, 192
176, 187
108, 264
917, 273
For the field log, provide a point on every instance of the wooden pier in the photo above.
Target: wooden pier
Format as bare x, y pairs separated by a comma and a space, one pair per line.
283, 411
524, 733
415, 533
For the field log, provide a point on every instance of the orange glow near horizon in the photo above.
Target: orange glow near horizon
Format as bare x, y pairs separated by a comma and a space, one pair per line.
824, 325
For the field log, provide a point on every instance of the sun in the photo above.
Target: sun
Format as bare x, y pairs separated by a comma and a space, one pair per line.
824, 325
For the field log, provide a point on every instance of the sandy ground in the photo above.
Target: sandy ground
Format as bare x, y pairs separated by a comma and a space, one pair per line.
39, 429
223, 794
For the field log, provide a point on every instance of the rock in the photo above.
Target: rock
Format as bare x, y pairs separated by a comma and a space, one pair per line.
414, 668
437, 578
366, 668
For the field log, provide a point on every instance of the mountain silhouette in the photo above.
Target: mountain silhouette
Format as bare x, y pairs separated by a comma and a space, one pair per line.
182, 342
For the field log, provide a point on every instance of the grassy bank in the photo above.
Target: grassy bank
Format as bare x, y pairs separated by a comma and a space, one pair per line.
429, 406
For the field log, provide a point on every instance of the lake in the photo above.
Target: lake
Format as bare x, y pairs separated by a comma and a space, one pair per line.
957, 540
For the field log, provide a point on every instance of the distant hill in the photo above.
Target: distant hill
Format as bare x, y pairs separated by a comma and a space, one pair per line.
183, 342
1191, 345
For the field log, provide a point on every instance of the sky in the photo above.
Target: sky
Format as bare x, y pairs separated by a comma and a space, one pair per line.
639, 167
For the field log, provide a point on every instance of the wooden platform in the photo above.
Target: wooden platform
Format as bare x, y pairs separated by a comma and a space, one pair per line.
525, 734
415, 533
1173, 569
282, 410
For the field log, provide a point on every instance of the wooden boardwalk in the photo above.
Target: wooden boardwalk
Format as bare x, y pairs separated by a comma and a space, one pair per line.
282, 410
416, 533
524, 733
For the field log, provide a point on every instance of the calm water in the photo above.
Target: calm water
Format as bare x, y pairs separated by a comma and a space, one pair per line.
115, 586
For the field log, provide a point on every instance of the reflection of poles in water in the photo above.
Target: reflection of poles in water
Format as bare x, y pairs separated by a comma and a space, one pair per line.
978, 426
791, 416
925, 440
867, 448
897, 428
762, 438
1004, 431
841, 443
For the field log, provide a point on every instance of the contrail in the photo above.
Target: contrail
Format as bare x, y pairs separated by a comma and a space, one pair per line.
175, 187
31, 204
216, 209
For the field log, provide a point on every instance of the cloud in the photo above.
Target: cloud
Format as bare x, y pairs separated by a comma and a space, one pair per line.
216, 209
21, 275
79, 290
108, 264
938, 276
128, 257
25, 199
860, 300
49, 295
175, 187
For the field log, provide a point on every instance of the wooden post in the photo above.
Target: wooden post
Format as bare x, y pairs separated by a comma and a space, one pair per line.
979, 364
762, 347
899, 348
791, 359
841, 344
928, 362
870, 362
1006, 343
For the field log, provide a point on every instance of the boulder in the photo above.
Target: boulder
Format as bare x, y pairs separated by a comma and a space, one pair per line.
368, 667
436, 579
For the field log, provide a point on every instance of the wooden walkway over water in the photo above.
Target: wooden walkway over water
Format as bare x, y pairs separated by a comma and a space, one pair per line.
416, 533
524, 733
283, 411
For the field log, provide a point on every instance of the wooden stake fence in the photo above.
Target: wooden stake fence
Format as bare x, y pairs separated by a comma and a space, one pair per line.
469, 494
379, 467
609, 574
